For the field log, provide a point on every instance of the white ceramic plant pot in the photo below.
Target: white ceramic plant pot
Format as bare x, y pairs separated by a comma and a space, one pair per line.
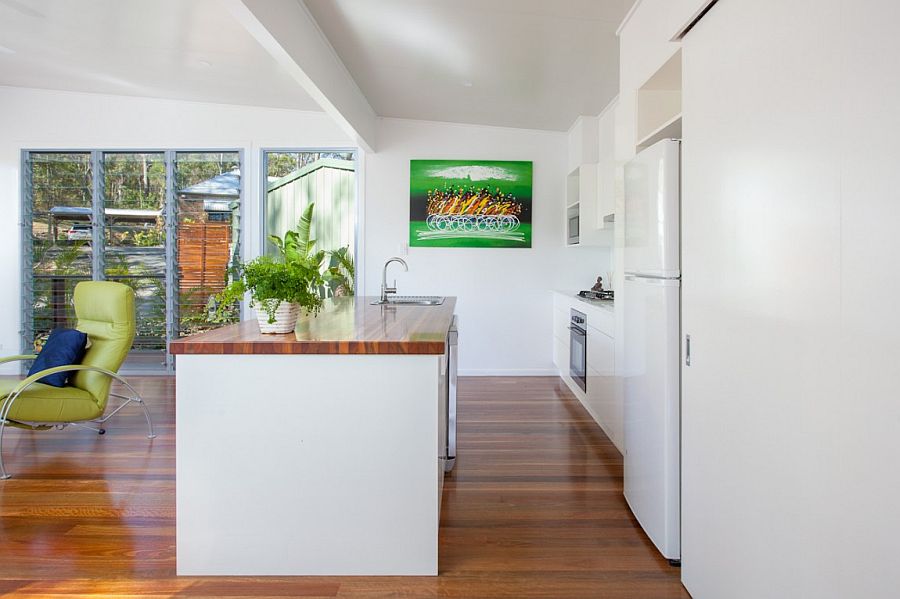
286, 315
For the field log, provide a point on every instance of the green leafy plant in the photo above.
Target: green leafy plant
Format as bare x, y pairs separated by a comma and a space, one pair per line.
271, 282
149, 238
341, 272
296, 275
297, 245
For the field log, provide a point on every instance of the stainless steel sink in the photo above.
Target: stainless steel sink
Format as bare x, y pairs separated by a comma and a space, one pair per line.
411, 300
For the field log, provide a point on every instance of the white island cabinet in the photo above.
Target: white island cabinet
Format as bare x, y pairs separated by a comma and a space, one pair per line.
602, 398
319, 452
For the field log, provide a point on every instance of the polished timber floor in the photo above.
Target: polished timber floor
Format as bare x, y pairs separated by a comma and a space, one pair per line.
533, 509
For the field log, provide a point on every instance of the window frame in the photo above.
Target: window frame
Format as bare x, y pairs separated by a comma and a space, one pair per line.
264, 197
98, 242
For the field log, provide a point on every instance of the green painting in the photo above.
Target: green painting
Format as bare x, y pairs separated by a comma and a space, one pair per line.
470, 203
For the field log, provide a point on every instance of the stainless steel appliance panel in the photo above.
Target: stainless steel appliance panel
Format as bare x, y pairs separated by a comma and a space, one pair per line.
578, 348
452, 366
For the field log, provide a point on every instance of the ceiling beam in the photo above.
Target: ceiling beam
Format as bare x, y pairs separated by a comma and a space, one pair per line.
287, 30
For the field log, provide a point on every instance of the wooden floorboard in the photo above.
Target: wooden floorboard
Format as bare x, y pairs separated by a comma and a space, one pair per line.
534, 508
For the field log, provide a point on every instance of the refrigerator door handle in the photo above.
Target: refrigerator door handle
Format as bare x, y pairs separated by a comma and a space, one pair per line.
687, 350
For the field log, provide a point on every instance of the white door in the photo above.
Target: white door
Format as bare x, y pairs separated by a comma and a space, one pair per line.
652, 189
652, 408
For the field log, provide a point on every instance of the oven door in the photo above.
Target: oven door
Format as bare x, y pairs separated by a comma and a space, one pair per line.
578, 356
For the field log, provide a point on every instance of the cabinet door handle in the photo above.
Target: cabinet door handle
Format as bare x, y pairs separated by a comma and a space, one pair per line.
687, 350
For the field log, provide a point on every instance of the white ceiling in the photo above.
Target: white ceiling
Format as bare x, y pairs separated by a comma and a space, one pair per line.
518, 63
179, 49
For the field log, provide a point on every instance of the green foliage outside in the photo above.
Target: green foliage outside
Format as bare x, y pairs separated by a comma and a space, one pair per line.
138, 181
134, 181
341, 272
281, 164
297, 245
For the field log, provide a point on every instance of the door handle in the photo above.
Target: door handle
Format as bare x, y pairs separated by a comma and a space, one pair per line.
687, 350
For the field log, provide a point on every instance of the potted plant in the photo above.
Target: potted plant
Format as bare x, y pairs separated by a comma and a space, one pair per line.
280, 287
278, 290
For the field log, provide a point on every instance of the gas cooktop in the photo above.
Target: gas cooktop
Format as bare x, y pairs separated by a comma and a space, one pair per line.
606, 294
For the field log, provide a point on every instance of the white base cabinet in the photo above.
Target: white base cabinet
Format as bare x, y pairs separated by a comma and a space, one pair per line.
602, 399
341, 476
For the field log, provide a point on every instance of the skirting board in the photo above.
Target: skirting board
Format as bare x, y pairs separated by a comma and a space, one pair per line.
13, 370
510, 372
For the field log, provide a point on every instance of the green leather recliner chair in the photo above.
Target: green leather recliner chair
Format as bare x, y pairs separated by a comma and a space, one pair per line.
105, 311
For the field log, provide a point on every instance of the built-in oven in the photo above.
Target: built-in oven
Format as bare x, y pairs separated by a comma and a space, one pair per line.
573, 225
578, 349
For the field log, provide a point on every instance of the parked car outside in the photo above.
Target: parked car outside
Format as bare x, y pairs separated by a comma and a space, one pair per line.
79, 231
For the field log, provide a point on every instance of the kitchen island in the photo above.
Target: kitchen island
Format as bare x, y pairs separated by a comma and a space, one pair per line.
317, 452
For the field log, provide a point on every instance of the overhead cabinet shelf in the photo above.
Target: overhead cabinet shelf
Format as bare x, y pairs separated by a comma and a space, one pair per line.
659, 104
671, 129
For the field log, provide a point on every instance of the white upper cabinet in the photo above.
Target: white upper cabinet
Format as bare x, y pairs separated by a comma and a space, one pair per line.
592, 182
609, 181
659, 105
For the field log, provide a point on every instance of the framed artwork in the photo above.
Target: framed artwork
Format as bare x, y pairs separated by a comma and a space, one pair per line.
470, 203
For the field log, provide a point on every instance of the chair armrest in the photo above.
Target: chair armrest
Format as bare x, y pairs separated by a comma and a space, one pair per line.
18, 358
27, 382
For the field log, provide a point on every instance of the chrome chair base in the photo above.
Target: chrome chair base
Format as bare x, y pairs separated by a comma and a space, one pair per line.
133, 398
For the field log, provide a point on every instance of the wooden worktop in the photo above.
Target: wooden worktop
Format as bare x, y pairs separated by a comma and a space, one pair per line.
345, 325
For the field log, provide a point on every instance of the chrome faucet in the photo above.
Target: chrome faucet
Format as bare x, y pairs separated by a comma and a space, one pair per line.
385, 290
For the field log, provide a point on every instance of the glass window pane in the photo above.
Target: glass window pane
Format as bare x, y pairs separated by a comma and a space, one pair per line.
150, 311
61, 234
52, 303
60, 181
134, 196
133, 192
328, 179
208, 232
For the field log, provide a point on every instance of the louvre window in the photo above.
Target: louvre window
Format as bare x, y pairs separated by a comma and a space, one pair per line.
166, 223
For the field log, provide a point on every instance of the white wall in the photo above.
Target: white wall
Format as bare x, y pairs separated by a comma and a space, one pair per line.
505, 302
505, 305
51, 119
791, 406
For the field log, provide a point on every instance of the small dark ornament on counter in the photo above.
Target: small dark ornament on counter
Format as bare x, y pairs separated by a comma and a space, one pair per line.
598, 286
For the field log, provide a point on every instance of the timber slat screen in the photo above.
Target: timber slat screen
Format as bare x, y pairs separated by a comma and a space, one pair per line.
118, 216
203, 261
203, 255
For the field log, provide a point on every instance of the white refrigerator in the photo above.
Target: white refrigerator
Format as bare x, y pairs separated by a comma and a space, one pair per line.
652, 332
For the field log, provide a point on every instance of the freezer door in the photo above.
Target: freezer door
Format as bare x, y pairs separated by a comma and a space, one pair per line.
652, 203
652, 411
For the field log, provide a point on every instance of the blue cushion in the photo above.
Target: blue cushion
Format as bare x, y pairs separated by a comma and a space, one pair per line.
63, 347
